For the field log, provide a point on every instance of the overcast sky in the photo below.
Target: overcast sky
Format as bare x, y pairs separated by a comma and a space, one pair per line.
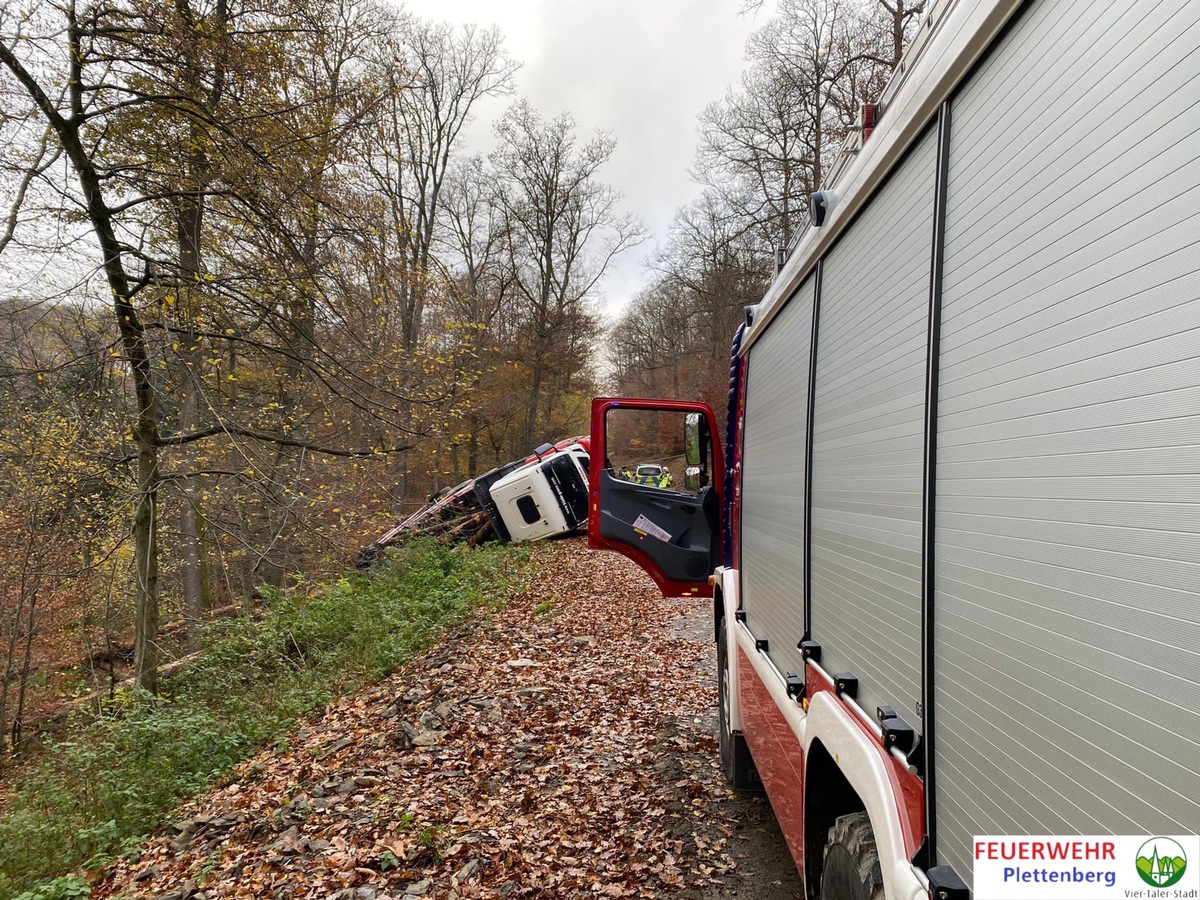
639, 69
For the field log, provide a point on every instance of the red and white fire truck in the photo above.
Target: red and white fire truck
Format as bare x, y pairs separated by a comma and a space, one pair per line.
953, 532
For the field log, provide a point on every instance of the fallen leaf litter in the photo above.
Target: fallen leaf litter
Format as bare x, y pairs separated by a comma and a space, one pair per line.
564, 754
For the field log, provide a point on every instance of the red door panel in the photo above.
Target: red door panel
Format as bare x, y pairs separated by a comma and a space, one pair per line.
672, 531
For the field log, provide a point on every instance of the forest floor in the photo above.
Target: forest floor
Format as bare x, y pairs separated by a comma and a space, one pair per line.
562, 747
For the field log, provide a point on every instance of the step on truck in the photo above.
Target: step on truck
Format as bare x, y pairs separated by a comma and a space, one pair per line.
952, 529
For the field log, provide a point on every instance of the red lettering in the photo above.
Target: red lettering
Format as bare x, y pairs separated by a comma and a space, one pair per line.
1043, 850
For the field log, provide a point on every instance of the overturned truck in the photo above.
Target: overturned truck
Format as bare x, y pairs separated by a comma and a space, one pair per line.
540, 496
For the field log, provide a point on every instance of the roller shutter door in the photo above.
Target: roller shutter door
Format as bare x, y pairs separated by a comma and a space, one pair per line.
868, 440
773, 451
1067, 625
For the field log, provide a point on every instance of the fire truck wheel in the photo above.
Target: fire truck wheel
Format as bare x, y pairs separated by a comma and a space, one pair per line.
851, 870
735, 755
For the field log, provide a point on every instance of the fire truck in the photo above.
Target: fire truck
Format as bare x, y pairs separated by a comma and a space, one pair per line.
952, 528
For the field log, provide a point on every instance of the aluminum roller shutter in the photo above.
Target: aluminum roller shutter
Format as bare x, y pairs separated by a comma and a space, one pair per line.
868, 440
773, 448
1067, 625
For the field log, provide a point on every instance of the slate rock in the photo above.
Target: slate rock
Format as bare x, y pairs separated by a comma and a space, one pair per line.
428, 738
337, 745
148, 873
471, 868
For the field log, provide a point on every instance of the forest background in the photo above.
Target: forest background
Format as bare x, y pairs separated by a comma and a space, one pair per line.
268, 299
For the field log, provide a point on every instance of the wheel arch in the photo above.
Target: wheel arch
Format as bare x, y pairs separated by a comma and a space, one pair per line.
848, 772
828, 795
725, 605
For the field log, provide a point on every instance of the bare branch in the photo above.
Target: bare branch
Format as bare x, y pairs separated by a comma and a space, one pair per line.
178, 440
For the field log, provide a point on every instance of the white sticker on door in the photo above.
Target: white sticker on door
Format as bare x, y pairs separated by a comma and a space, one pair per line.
641, 523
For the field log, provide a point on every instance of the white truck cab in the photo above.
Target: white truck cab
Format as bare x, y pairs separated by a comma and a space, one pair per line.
546, 497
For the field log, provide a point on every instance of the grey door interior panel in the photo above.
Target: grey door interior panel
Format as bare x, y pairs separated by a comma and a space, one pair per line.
683, 548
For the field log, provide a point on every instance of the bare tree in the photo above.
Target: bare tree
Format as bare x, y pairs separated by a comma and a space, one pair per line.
764, 148
433, 77
562, 230
480, 287
897, 20
897, 17
108, 84
768, 145
757, 151
674, 338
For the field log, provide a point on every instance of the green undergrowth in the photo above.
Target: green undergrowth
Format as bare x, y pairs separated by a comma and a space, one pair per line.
112, 779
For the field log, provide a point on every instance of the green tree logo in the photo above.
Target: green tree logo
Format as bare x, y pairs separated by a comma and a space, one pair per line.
1161, 862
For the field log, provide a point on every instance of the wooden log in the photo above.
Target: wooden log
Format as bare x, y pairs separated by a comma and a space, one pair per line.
467, 526
481, 534
452, 528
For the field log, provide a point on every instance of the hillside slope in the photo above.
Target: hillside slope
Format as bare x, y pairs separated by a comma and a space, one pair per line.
564, 748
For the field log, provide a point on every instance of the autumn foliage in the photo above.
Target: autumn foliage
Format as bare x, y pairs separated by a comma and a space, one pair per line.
270, 303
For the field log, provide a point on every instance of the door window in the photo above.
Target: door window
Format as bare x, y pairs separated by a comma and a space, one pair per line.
650, 447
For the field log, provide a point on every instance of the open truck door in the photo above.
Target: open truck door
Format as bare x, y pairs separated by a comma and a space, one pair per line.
655, 489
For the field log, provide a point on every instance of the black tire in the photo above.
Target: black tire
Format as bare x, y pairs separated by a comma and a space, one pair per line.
851, 870
736, 762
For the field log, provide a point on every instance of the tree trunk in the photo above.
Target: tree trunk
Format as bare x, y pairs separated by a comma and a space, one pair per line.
473, 443
10, 659
19, 718
189, 230
402, 487
898, 18
195, 601
531, 409
145, 543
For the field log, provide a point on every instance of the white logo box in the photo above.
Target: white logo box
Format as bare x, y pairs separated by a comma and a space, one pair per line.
1085, 867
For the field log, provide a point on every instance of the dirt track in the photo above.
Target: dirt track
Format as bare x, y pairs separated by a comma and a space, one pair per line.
564, 748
